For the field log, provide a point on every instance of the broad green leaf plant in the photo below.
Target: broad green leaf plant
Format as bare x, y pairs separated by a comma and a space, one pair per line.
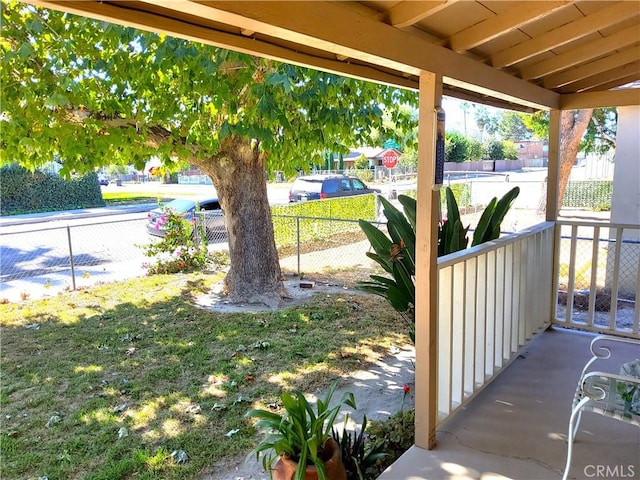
395, 250
301, 432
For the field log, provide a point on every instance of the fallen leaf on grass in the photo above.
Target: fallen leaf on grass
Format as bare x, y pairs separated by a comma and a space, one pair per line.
179, 456
53, 420
241, 398
123, 432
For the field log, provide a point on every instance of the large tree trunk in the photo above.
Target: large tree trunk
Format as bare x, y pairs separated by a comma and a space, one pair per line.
573, 124
238, 173
572, 127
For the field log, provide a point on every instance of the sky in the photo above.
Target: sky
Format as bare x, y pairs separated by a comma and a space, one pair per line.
455, 120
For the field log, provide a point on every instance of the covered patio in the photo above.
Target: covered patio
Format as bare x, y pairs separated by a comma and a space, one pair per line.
493, 383
516, 427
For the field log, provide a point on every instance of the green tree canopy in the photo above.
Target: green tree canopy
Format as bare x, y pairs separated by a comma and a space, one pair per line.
94, 94
512, 127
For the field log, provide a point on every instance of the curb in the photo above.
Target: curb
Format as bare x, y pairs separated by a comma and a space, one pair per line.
10, 221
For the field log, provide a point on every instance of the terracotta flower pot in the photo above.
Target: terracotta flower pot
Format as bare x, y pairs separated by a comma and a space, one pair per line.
285, 468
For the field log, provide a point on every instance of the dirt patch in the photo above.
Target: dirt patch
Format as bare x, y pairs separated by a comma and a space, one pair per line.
297, 294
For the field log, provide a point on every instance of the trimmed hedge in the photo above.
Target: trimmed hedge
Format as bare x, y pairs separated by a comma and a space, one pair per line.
26, 192
347, 208
593, 194
461, 192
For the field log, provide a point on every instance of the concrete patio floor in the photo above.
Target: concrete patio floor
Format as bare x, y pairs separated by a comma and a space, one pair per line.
516, 428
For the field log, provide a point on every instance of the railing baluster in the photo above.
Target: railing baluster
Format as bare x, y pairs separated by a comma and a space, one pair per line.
508, 302
636, 310
517, 299
481, 321
593, 284
471, 274
444, 340
499, 308
614, 281
522, 314
457, 335
491, 312
571, 280
557, 247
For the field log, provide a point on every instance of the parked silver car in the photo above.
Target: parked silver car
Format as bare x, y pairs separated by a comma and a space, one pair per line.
207, 210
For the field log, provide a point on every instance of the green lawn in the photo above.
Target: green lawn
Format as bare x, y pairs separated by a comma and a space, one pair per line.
107, 382
132, 197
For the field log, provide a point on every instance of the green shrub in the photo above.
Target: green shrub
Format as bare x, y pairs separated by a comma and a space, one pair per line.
510, 150
461, 192
396, 434
593, 194
26, 192
474, 150
176, 251
361, 163
493, 150
364, 174
347, 208
455, 147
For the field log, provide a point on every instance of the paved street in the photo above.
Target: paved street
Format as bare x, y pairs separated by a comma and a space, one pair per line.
105, 242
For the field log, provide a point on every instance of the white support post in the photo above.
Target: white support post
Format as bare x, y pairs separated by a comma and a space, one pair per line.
553, 170
427, 265
551, 214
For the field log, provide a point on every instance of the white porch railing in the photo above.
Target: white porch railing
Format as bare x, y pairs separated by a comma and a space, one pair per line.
492, 299
598, 282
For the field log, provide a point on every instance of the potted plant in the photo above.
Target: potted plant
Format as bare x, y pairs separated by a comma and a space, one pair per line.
301, 439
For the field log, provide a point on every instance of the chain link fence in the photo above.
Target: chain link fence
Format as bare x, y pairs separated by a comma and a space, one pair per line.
324, 248
598, 275
45, 261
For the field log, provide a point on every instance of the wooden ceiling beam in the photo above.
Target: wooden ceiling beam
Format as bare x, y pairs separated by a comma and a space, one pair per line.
506, 21
410, 12
606, 17
596, 81
610, 98
616, 83
608, 63
584, 53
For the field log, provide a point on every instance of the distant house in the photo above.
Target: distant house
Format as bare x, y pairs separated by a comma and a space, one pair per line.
373, 154
531, 152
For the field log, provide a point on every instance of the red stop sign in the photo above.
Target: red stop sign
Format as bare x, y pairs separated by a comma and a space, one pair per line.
390, 159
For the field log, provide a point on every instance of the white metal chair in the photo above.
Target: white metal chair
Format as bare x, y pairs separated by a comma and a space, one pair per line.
597, 392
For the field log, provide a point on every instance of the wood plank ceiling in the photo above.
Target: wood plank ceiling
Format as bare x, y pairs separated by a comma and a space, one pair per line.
518, 54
